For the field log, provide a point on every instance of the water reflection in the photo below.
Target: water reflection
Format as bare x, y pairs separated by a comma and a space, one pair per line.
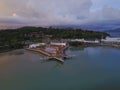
77, 48
14, 52
91, 69
57, 63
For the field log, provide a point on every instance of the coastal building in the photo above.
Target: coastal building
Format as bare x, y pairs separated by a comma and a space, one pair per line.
85, 41
92, 41
77, 40
111, 40
36, 45
58, 44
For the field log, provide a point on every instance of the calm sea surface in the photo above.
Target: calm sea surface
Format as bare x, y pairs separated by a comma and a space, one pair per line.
93, 68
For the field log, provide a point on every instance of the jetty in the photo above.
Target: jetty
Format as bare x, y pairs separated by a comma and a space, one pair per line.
54, 51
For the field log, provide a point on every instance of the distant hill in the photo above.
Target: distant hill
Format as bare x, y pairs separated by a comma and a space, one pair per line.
113, 30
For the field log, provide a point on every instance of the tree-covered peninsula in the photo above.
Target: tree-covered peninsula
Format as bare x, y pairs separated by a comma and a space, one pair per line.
18, 38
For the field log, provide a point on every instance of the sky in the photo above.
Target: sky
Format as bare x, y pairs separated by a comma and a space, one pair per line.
90, 14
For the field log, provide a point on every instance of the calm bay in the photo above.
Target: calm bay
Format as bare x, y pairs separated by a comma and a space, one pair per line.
91, 68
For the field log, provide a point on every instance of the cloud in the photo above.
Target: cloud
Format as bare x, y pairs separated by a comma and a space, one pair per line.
105, 18
46, 11
106, 13
56, 12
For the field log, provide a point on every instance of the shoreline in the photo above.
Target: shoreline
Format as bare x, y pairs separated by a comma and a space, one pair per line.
84, 45
80, 46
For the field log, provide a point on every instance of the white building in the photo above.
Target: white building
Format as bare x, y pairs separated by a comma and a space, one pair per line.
77, 40
58, 44
111, 40
36, 45
85, 41
90, 41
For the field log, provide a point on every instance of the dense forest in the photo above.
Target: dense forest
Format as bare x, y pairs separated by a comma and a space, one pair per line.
18, 38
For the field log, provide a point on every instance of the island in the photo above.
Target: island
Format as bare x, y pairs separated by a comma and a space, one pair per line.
52, 42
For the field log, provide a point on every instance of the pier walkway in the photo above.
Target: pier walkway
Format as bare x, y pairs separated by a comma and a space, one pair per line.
58, 57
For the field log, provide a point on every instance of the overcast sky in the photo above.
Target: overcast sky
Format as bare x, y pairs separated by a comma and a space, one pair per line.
104, 14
